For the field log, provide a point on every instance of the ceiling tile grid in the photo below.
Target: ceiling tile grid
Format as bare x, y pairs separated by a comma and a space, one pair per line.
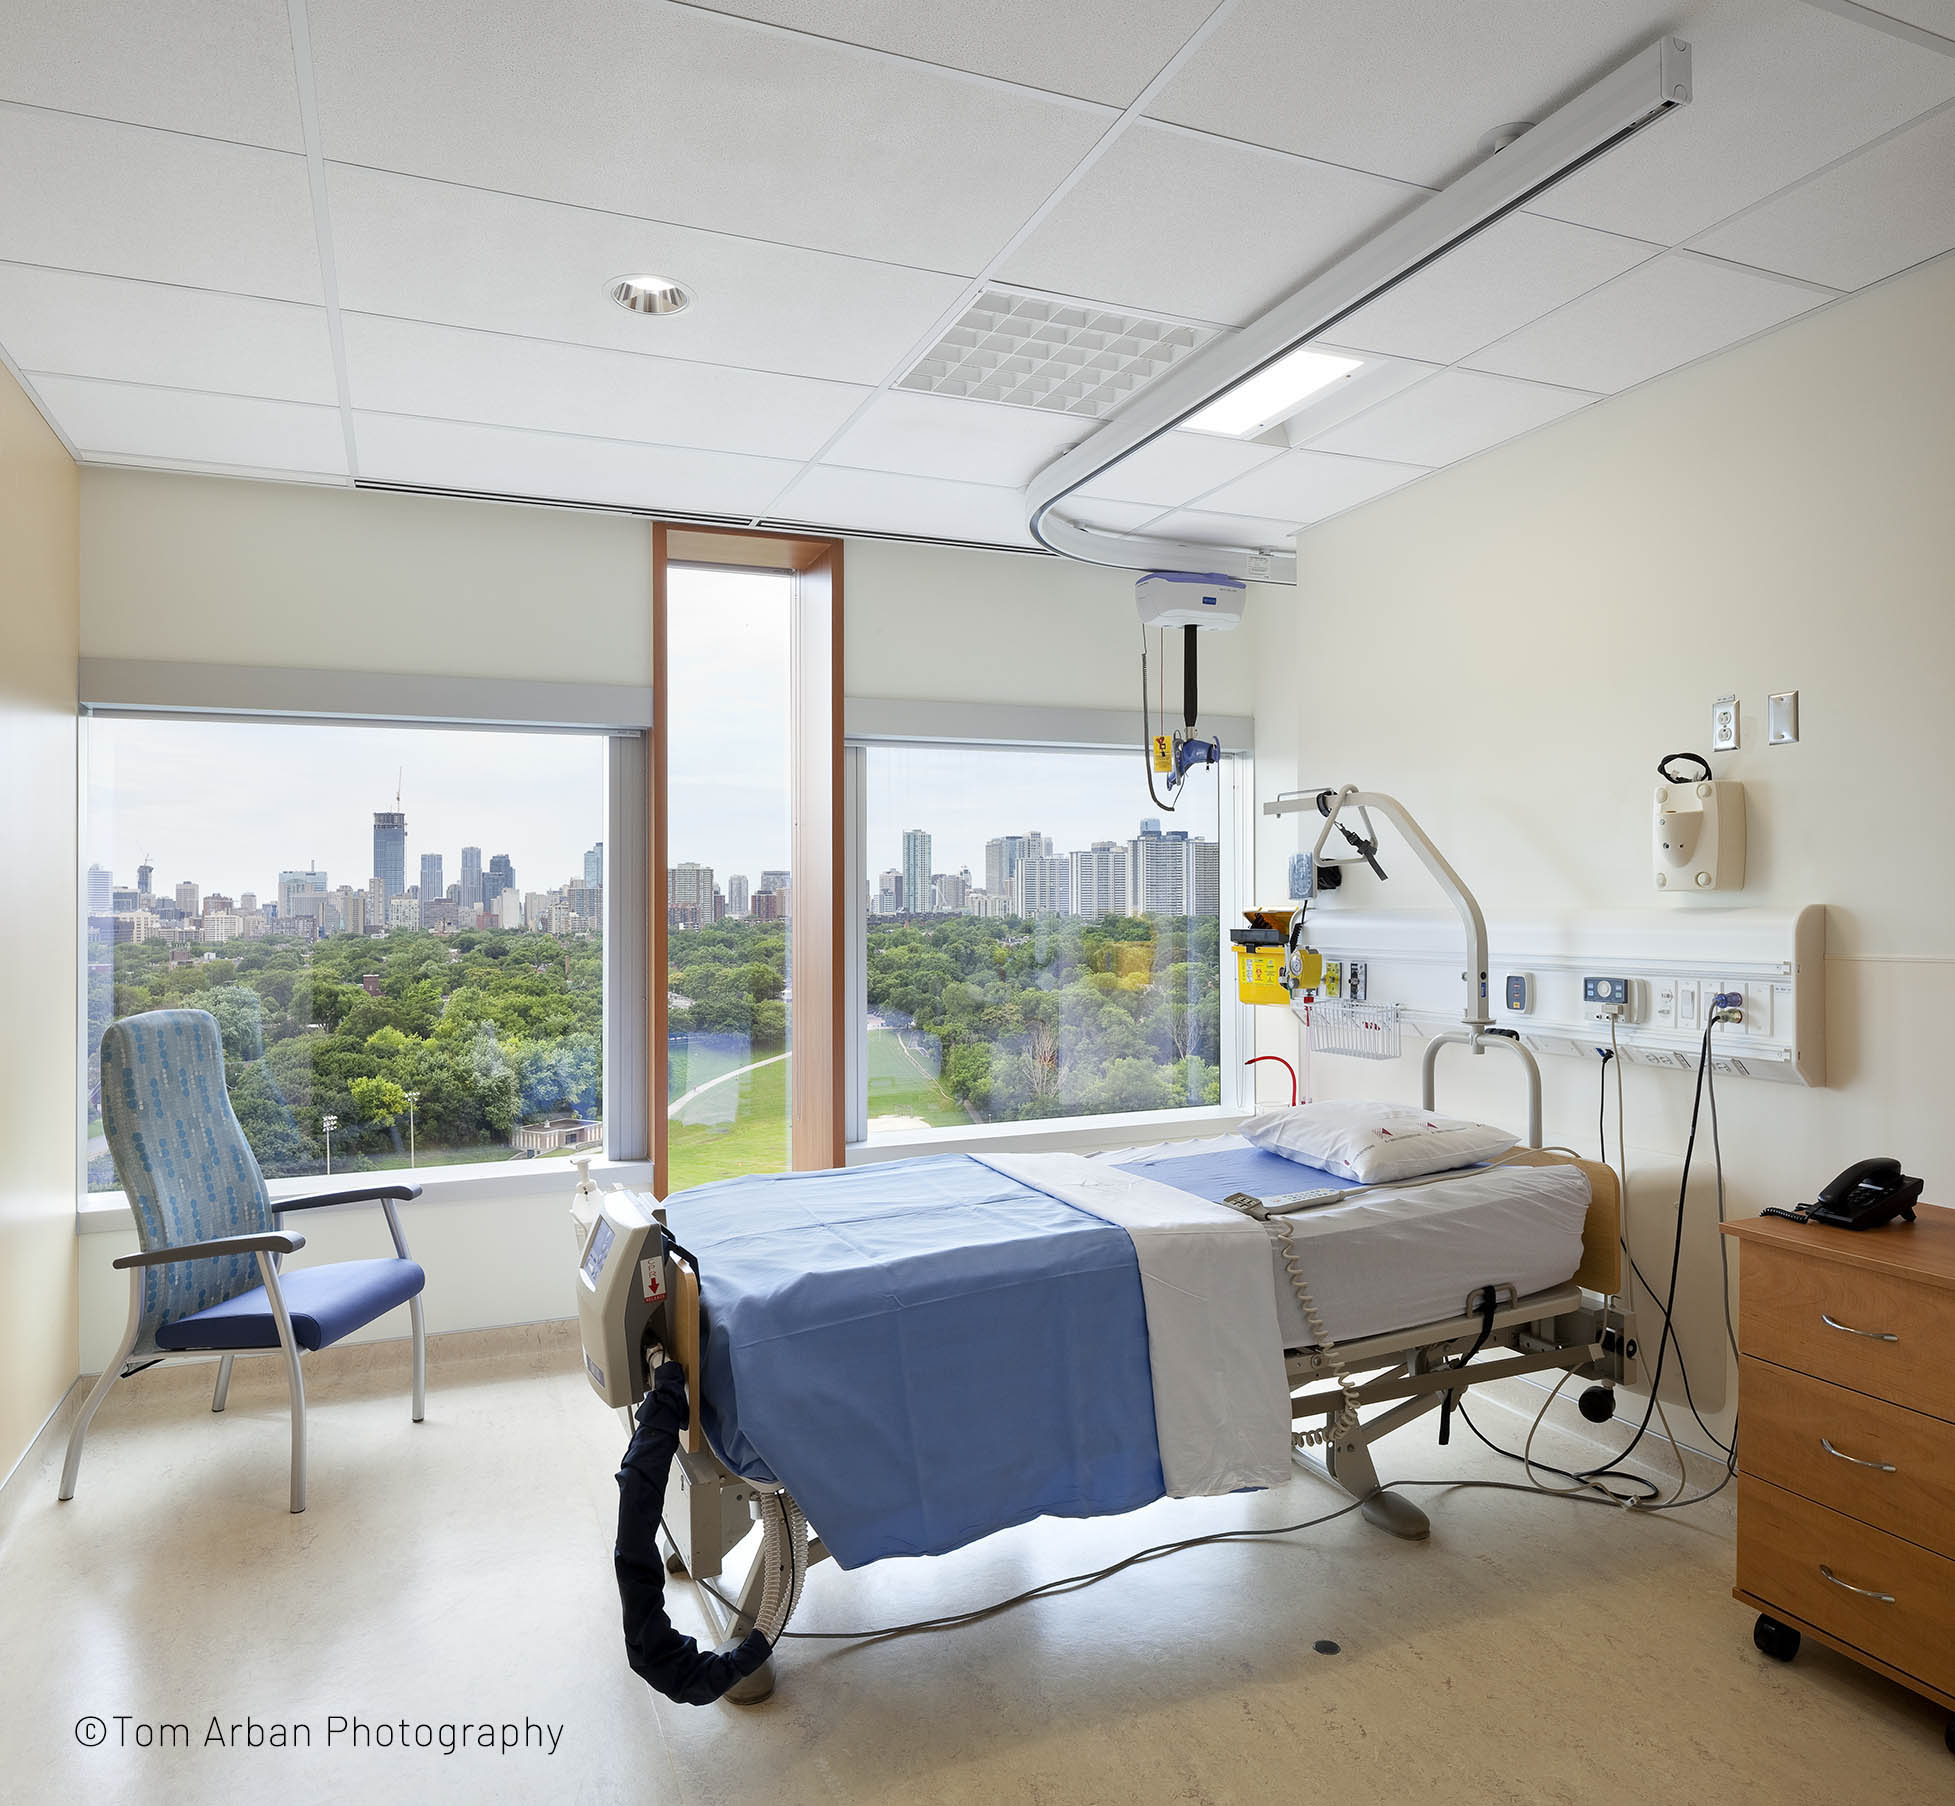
837, 181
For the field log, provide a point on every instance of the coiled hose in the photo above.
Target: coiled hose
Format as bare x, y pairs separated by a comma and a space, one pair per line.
784, 1562
1346, 1419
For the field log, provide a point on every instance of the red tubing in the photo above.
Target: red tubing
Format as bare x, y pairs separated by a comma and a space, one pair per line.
1287, 1067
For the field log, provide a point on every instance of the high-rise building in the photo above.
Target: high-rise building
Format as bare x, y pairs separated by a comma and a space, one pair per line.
186, 898
689, 894
1001, 859
916, 870
350, 905
1100, 879
500, 876
471, 897
293, 885
145, 877
376, 906
403, 912
1043, 886
247, 902
781, 886
594, 865
433, 891
767, 906
948, 891
889, 893
736, 893
101, 890
390, 856
1205, 878
1160, 873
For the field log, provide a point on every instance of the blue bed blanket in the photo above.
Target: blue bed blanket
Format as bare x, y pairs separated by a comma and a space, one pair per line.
922, 1352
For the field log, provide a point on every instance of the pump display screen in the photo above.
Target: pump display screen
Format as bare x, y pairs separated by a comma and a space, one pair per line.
601, 1242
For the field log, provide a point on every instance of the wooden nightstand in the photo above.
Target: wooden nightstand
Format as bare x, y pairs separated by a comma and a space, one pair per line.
1846, 1455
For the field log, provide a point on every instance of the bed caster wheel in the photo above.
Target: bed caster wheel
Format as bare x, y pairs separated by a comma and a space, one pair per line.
1598, 1403
675, 1564
1779, 1641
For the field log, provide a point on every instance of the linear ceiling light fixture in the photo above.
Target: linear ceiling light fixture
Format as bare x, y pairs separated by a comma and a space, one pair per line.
1272, 394
651, 294
1617, 107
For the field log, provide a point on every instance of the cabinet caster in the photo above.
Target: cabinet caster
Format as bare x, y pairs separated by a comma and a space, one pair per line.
1779, 1641
1598, 1403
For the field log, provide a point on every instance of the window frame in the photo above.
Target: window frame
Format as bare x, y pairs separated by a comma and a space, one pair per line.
887, 723
618, 714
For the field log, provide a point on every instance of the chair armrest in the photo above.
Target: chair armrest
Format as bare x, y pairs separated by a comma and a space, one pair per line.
370, 1194
275, 1241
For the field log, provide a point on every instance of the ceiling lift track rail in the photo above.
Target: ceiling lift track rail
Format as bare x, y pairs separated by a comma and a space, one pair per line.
1641, 91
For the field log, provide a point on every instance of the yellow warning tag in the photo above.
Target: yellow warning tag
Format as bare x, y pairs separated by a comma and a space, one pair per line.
1163, 752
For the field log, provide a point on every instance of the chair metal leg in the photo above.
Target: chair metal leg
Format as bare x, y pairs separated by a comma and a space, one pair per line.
420, 1357
295, 1381
223, 1392
110, 1373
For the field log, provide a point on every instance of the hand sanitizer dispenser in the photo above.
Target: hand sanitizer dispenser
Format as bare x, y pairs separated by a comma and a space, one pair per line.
1699, 835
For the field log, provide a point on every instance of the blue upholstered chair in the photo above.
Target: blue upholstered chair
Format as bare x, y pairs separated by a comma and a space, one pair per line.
207, 1279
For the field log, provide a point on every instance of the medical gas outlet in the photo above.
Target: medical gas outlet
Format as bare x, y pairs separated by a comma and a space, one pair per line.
1698, 831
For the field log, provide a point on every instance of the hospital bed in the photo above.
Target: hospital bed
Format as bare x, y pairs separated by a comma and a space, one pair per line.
1511, 1264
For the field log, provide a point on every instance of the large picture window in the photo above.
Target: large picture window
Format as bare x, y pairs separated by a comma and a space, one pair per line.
729, 892
1041, 941
399, 931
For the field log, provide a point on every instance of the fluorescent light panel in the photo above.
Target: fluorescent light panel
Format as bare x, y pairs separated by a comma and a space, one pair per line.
1272, 394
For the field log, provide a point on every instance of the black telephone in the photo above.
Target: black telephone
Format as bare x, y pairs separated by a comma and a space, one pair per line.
1867, 1195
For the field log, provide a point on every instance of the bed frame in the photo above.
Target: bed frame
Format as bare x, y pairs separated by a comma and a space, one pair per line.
710, 1511
1553, 1331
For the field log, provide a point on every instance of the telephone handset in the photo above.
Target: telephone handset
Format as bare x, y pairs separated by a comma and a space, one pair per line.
1867, 1195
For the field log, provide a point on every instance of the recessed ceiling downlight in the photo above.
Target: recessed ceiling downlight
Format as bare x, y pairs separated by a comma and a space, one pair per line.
651, 294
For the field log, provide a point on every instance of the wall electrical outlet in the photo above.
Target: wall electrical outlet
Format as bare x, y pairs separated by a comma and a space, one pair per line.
1333, 985
1724, 724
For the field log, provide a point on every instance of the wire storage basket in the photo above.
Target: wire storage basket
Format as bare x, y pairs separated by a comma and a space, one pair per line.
1364, 1031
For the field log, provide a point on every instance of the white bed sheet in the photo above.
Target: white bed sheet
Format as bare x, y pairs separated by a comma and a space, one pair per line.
1401, 1256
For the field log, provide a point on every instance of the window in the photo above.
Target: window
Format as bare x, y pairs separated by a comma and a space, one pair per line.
728, 884
398, 929
1041, 941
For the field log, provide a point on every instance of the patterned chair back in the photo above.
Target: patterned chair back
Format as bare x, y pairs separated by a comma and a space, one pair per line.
185, 1166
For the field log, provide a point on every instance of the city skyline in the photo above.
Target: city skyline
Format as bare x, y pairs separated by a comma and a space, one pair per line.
228, 806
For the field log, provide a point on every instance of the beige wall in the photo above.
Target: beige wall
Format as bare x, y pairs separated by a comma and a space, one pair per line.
1510, 646
38, 611
208, 569
951, 625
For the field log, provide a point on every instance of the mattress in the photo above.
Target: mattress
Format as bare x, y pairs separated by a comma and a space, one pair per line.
1397, 1256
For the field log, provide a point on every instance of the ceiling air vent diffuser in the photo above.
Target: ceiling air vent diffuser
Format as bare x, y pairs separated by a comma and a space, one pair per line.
1031, 352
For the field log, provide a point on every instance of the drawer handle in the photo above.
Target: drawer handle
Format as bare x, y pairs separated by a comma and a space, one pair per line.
1879, 1467
1864, 1592
1872, 1335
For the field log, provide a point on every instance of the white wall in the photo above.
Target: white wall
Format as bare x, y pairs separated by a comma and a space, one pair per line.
38, 1052
1520, 638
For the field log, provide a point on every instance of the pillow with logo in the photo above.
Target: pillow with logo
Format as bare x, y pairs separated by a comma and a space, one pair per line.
1375, 1143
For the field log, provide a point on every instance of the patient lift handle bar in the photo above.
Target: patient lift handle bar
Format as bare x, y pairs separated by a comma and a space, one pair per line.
1474, 1016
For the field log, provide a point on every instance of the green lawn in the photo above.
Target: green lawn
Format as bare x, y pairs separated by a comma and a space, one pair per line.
755, 1141
901, 1084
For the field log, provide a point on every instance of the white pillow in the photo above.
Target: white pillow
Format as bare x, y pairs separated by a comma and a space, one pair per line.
1375, 1143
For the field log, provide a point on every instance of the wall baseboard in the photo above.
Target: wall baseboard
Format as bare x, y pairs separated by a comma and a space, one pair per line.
38, 1457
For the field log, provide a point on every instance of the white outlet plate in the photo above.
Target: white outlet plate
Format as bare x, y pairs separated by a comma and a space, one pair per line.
1724, 724
1782, 718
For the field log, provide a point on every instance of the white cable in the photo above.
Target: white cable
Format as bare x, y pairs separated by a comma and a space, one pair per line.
1346, 1419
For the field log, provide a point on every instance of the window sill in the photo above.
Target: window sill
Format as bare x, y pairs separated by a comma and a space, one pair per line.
1071, 1134
104, 1212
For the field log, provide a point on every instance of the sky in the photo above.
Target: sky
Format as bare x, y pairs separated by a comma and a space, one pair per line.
228, 805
